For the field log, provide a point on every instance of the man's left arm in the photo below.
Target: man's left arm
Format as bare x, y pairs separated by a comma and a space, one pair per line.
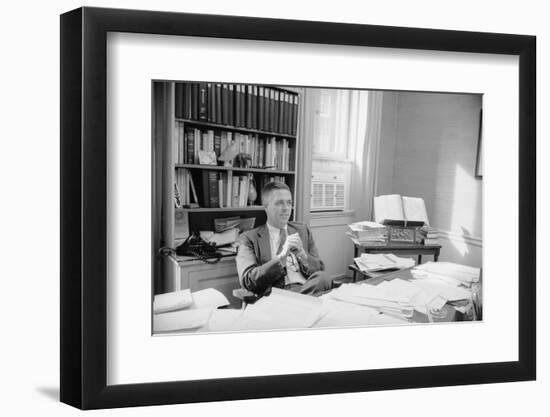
310, 261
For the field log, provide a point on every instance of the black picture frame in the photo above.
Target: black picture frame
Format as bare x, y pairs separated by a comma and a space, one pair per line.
84, 207
479, 152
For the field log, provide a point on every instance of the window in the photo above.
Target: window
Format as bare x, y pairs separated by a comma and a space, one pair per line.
331, 163
330, 123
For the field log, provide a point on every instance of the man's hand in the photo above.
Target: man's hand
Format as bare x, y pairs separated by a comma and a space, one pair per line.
295, 245
292, 244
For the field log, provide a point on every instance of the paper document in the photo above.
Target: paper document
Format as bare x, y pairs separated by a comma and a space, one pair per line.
171, 301
225, 238
221, 225
366, 225
340, 314
282, 309
181, 320
368, 262
209, 298
392, 297
221, 320
446, 291
450, 272
220, 239
382, 319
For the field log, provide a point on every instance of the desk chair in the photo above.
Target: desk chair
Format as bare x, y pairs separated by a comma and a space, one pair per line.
246, 297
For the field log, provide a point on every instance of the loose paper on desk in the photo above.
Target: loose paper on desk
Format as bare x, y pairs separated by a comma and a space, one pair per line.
391, 297
382, 319
368, 262
220, 239
171, 301
341, 314
449, 272
221, 320
209, 298
282, 309
368, 232
445, 290
181, 320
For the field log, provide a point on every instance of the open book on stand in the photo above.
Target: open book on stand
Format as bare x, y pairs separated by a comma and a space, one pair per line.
394, 209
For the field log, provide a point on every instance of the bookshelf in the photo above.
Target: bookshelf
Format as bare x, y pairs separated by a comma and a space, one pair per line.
224, 120
188, 117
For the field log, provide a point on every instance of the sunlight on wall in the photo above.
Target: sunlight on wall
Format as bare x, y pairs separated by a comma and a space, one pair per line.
463, 215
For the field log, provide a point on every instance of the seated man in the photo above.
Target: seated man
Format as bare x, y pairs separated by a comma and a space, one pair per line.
280, 253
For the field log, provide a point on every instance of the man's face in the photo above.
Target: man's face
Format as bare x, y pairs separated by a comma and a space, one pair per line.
278, 208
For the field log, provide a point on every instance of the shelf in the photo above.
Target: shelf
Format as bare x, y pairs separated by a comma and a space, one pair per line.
211, 209
234, 128
191, 260
219, 168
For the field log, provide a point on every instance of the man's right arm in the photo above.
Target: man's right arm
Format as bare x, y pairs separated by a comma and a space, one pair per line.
253, 276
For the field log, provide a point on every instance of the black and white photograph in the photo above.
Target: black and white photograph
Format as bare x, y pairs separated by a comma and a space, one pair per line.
280, 207
262, 209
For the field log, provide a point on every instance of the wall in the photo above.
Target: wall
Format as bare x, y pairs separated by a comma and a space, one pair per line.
335, 248
431, 153
30, 348
388, 134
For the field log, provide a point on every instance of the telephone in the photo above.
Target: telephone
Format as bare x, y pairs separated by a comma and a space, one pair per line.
195, 246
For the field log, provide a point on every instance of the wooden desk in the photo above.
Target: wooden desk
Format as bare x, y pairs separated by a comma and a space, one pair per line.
398, 249
450, 313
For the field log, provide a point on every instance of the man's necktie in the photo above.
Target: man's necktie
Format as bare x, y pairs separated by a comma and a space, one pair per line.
280, 283
282, 240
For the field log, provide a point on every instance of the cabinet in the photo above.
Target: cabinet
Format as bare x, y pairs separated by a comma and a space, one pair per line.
197, 275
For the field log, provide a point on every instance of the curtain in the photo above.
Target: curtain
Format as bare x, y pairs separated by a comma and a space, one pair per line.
365, 125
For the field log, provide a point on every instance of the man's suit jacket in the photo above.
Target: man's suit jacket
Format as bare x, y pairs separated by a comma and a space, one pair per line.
258, 272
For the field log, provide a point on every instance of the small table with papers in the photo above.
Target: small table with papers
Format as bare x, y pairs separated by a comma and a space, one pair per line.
396, 248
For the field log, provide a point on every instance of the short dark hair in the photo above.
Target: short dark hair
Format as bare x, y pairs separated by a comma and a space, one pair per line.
272, 186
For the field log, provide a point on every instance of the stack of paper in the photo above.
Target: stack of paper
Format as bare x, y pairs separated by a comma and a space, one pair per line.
282, 309
452, 273
341, 314
390, 297
221, 320
450, 281
226, 237
445, 290
397, 298
368, 232
427, 235
181, 320
171, 301
368, 262
209, 298
183, 310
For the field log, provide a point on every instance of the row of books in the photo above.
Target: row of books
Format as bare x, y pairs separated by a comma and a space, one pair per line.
427, 235
248, 106
185, 192
217, 189
268, 152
